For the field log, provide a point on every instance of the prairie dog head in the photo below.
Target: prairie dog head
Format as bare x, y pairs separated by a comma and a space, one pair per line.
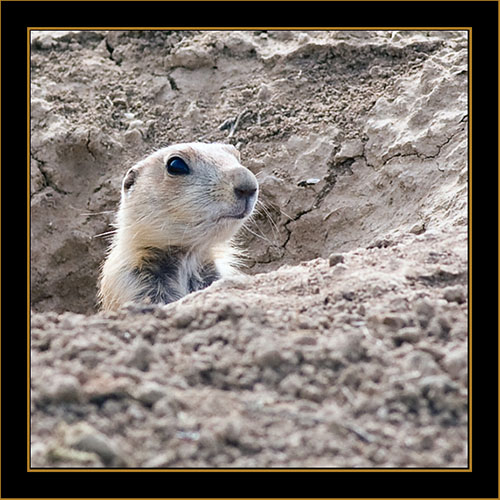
187, 195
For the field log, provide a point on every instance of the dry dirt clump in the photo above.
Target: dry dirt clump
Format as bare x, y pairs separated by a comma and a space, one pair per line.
346, 343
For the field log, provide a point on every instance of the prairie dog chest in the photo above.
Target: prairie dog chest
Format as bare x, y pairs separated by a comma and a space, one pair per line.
170, 276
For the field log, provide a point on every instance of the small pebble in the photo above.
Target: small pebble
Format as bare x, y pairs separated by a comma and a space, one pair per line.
264, 92
98, 444
271, 357
454, 294
394, 322
136, 125
141, 357
183, 319
133, 137
306, 340
418, 228
409, 334
149, 393
67, 389
335, 259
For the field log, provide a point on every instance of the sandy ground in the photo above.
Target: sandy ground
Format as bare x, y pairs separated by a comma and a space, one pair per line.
346, 343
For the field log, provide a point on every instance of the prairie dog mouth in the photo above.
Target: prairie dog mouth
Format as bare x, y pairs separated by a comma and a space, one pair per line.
242, 215
238, 212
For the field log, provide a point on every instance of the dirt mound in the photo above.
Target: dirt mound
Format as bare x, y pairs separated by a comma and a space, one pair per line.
347, 344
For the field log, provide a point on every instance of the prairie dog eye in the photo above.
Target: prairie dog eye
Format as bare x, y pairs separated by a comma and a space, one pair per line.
177, 166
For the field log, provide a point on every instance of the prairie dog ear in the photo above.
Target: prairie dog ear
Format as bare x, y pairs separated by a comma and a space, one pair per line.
129, 180
231, 149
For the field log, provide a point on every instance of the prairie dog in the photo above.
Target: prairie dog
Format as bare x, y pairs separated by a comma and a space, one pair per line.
178, 211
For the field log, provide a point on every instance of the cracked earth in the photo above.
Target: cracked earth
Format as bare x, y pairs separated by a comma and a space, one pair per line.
345, 345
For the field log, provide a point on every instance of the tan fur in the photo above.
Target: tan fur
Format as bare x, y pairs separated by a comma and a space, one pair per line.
192, 212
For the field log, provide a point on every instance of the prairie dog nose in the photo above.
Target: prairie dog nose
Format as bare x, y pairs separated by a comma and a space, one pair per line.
245, 191
245, 184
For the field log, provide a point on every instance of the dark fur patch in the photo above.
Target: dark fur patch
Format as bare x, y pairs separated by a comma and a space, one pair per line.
208, 274
160, 273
